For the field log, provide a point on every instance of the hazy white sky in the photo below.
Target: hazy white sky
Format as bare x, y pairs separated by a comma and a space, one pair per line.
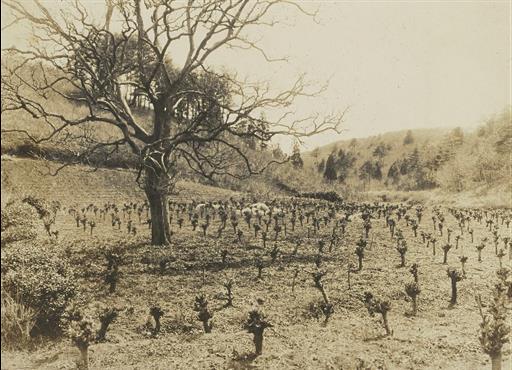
397, 64
402, 64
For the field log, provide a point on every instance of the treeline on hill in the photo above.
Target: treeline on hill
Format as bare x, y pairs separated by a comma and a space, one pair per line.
455, 160
412, 160
452, 160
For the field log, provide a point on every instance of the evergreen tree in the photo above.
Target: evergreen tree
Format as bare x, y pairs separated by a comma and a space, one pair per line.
408, 139
296, 158
344, 163
365, 171
394, 172
452, 142
380, 150
321, 166
377, 171
330, 170
315, 153
277, 153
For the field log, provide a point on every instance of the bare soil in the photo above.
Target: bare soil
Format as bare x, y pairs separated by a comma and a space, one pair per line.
439, 337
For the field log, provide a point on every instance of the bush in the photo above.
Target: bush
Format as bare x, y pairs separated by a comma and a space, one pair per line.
18, 320
330, 196
54, 151
18, 222
26, 149
43, 281
494, 328
43, 208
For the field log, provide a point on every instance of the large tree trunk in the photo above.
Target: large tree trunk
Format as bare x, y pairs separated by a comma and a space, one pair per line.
158, 205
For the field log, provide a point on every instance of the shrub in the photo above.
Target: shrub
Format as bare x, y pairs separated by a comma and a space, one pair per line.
256, 324
107, 317
259, 265
229, 288
53, 152
204, 314
114, 256
18, 222
402, 250
446, 249
494, 330
17, 322
414, 271
27, 149
455, 276
330, 196
156, 312
43, 281
463, 260
361, 245
504, 275
375, 305
412, 290
82, 334
112, 278
42, 207
326, 306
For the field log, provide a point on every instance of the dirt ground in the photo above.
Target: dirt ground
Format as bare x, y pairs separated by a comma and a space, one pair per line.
439, 337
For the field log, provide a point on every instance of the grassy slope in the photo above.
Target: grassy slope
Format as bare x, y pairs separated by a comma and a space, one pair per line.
498, 196
79, 184
28, 176
424, 140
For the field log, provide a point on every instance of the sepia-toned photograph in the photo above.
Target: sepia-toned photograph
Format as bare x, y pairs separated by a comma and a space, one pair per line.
256, 184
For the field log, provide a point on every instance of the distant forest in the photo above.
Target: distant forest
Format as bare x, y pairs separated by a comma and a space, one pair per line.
418, 159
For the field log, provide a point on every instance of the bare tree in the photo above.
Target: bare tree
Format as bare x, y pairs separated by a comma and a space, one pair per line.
195, 115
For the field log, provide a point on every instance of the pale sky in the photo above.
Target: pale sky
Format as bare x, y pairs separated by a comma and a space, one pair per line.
397, 64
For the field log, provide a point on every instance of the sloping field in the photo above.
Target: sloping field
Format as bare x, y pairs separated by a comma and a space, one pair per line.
81, 184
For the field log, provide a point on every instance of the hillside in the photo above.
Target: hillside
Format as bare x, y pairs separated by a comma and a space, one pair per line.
83, 185
451, 159
393, 139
